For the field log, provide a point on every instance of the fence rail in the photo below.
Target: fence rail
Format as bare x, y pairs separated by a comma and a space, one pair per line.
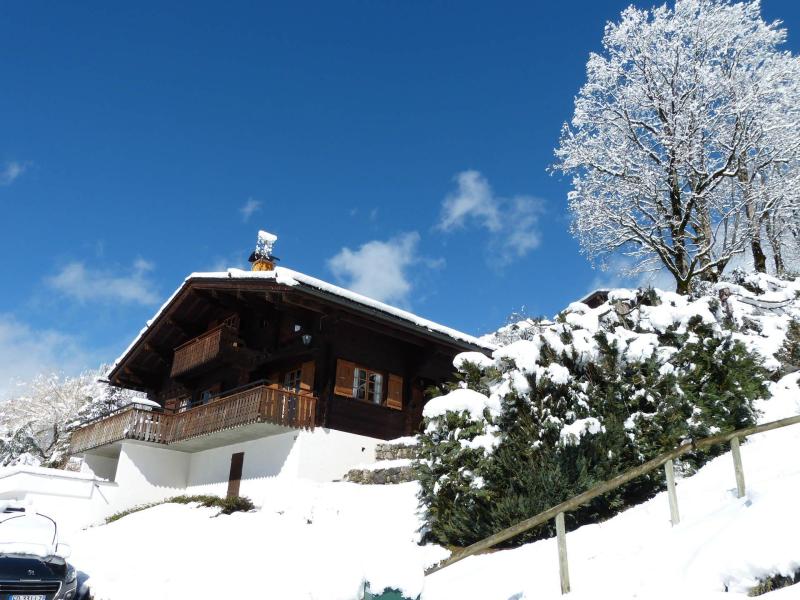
262, 403
666, 460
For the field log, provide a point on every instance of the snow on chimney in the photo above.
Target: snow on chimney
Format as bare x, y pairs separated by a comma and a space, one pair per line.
262, 258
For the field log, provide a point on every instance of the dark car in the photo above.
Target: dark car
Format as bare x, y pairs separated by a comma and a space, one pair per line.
33, 565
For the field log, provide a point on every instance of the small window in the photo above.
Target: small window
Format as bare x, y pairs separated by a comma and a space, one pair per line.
368, 386
292, 379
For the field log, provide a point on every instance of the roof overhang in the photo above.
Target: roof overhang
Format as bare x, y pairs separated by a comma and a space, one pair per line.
283, 280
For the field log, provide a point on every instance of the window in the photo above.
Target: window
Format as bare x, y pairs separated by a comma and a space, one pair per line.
368, 385
361, 383
292, 380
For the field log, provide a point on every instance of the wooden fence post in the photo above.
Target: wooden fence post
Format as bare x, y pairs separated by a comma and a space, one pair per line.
737, 467
673, 496
563, 566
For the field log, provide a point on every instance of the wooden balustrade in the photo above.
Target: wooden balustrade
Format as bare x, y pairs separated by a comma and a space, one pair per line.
202, 349
268, 404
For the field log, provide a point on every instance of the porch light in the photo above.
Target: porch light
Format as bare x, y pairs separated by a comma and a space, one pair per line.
306, 339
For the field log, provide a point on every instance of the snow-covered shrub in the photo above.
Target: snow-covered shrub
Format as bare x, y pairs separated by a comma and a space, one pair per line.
569, 404
450, 463
35, 425
789, 354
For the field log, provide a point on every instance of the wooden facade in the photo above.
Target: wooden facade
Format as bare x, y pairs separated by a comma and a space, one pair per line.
228, 352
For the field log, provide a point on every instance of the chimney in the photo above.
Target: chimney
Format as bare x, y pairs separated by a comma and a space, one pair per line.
262, 258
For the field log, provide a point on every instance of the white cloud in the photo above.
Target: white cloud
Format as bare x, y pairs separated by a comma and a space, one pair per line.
91, 285
379, 269
251, 206
512, 223
26, 352
473, 200
10, 171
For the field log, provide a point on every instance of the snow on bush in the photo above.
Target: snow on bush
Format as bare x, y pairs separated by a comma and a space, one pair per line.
35, 424
566, 404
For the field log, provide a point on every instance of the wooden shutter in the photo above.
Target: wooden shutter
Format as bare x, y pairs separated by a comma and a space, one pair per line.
235, 477
307, 376
394, 399
344, 378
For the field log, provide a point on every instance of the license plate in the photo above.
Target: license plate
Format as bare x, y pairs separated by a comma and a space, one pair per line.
27, 597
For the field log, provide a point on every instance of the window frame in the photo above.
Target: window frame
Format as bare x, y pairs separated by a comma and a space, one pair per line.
376, 392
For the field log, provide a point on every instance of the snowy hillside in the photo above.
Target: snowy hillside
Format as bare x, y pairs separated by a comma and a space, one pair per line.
722, 541
308, 540
322, 541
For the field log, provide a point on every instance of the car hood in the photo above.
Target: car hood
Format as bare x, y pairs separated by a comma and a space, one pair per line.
17, 566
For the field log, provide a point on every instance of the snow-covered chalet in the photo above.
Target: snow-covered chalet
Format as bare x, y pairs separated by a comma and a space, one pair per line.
254, 374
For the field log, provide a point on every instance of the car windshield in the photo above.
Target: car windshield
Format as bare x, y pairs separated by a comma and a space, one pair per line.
26, 533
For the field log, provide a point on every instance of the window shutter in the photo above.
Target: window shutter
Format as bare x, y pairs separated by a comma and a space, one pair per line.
307, 376
394, 399
344, 378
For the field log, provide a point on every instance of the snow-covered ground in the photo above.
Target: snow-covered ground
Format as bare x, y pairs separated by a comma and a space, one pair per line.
309, 541
722, 542
322, 541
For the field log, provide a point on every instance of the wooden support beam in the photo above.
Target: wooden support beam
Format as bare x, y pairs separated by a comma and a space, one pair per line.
157, 352
737, 467
563, 565
183, 328
674, 515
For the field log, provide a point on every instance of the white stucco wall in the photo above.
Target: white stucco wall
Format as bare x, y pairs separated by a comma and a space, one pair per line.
144, 473
319, 455
148, 473
73, 500
101, 467
327, 454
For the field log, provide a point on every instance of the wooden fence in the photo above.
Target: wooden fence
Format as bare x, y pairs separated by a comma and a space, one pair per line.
262, 403
666, 460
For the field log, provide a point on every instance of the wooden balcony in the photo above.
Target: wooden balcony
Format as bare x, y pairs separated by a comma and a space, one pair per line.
204, 349
258, 404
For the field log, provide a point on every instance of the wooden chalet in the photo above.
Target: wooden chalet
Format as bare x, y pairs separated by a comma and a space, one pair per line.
231, 355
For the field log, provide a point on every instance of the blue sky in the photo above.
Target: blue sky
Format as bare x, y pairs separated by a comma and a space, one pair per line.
397, 147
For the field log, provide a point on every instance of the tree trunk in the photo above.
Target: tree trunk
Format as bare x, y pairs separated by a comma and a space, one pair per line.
753, 221
682, 285
774, 238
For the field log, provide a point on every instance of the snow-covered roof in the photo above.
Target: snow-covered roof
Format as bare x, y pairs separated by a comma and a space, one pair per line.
289, 277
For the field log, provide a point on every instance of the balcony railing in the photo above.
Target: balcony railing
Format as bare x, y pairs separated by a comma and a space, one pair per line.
203, 349
259, 404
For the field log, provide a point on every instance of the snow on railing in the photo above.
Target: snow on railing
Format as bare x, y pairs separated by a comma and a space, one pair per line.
666, 460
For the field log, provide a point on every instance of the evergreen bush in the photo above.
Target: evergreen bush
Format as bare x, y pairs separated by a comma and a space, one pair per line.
587, 410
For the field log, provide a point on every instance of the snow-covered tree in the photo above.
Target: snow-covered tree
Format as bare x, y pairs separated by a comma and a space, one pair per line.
567, 404
683, 145
36, 424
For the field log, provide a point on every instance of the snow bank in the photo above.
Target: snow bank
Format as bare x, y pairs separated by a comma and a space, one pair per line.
308, 541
